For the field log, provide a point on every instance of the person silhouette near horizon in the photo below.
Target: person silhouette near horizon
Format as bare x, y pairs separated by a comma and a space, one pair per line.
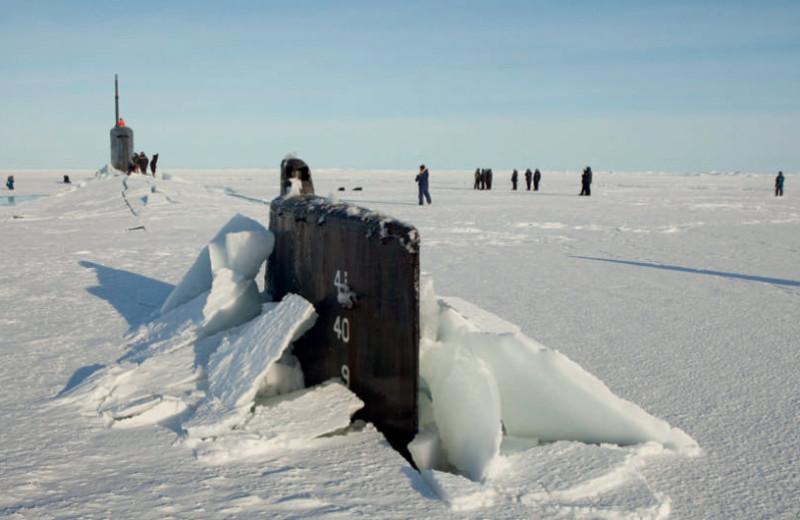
422, 183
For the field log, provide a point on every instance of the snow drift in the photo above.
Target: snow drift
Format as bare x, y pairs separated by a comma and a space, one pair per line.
205, 354
485, 379
237, 370
241, 246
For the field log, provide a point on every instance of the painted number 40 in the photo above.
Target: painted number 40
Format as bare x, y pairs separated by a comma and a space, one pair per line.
342, 325
342, 329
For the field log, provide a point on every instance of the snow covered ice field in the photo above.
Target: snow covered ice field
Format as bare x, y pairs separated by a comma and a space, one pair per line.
678, 292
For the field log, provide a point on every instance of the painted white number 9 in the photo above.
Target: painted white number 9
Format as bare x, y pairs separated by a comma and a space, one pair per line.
342, 329
346, 375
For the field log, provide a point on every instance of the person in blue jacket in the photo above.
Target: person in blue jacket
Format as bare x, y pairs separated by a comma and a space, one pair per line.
10, 182
422, 182
779, 185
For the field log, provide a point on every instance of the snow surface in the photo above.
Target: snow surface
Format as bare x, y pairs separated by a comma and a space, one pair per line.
673, 296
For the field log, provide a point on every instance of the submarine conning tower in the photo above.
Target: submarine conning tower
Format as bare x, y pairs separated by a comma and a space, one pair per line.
121, 137
360, 270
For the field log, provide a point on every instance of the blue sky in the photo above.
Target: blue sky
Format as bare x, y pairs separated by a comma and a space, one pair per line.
620, 85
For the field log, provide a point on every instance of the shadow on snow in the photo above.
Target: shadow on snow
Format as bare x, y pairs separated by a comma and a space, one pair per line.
135, 297
78, 377
763, 279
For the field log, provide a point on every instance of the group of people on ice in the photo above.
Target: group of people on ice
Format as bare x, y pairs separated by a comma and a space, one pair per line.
483, 179
534, 177
138, 163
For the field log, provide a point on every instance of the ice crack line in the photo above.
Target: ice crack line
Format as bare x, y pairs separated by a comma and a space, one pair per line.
125, 198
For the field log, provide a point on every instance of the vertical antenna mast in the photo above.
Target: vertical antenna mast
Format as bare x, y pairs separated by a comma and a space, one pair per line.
116, 100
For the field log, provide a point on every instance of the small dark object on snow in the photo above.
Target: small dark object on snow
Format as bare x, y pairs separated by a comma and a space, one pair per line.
358, 188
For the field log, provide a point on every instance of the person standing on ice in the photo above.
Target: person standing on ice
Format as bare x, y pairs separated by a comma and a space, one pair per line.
528, 176
779, 185
143, 162
10, 182
477, 179
537, 176
422, 183
586, 182
514, 178
153, 162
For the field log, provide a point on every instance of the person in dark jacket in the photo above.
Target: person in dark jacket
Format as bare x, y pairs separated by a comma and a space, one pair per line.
528, 176
422, 183
489, 178
10, 182
514, 178
779, 185
586, 182
537, 176
153, 162
477, 179
142, 161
